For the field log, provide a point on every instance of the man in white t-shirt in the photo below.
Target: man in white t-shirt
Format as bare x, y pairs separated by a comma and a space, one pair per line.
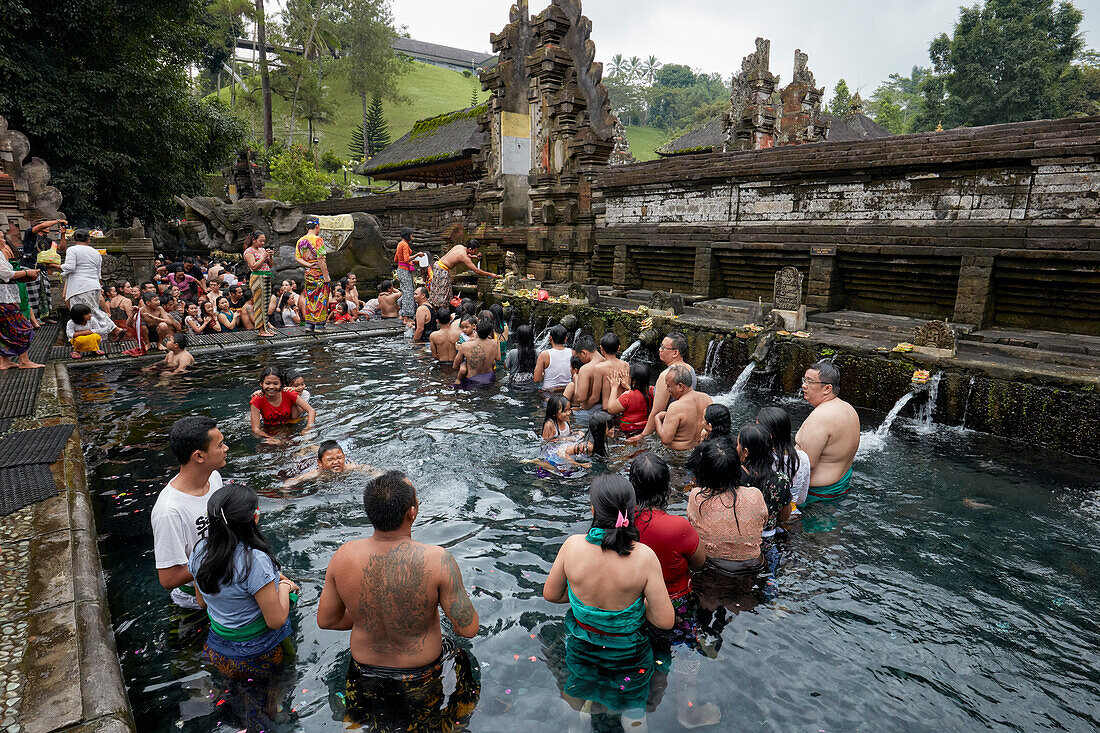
179, 516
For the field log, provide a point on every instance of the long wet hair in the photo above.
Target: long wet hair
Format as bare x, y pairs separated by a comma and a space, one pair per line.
498, 317
639, 380
721, 425
555, 403
759, 464
717, 471
778, 423
523, 338
649, 475
612, 495
598, 425
231, 515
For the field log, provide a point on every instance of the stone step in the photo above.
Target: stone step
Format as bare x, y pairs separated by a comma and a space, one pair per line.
880, 322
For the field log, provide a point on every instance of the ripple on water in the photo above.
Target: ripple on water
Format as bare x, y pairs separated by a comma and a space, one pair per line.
955, 586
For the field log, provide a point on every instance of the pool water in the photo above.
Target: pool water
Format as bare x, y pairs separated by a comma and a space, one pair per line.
956, 588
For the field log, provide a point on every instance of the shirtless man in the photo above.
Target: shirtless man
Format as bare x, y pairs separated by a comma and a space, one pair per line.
388, 296
424, 320
830, 435
447, 266
681, 425
178, 359
155, 321
480, 356
443, 340
672, 350
611, 364
388, 590
331, 461
586, 394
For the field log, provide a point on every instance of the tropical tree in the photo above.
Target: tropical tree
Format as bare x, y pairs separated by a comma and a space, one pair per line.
265, 76
617, 66
650, 67
896, 102
369, 61
634, 69
842, 100
316, 105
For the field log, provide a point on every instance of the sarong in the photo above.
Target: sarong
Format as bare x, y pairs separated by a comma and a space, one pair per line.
478, 380
100, 322
442, 286
832, 491
260, 284
16, 331
251, 679
24, 302
407, 306
685, 631
386, 698
86, 343
315, 289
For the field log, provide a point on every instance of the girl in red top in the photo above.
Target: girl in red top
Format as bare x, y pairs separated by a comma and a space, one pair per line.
275, 405
636, 403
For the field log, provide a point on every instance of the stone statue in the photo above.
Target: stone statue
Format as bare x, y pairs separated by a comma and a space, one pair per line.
788, 289
935, 338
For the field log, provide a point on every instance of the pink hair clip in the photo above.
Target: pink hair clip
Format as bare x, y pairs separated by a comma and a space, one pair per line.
622, 521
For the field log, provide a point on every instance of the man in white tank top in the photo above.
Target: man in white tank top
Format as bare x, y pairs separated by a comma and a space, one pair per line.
552, 368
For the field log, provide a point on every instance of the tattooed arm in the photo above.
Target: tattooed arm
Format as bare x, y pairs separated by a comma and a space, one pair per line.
454, 600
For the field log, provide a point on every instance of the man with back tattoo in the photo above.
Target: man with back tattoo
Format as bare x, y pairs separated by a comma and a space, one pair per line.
388, 589
479, 355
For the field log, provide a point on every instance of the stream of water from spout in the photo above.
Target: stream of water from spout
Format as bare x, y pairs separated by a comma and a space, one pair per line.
729, 399
631, 350
927, 409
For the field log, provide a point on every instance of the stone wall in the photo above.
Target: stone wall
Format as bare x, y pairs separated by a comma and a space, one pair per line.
985, 226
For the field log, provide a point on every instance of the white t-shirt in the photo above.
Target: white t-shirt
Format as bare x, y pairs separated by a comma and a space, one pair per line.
81, 268
179, 522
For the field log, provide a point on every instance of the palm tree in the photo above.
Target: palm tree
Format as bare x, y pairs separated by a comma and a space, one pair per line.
617, 66
634, 69
650, 67
265, 77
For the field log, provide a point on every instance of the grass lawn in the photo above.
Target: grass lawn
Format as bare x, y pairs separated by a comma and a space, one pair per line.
644, 142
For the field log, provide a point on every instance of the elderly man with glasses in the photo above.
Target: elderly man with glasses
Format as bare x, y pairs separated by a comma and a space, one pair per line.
671, 351
830, 435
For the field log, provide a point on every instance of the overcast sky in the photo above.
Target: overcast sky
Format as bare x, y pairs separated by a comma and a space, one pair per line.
862, 41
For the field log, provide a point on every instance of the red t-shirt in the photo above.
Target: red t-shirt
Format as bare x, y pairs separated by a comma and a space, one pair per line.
635, 411
275, 415
674, 540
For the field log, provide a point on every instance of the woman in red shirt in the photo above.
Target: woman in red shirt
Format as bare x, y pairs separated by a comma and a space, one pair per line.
275, 405
635, 404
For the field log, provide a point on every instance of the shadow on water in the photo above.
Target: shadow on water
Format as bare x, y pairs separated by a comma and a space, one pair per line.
955, 586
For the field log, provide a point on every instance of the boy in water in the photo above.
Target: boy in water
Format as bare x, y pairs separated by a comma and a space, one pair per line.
178, 359
575, 365
330, 462
442, 345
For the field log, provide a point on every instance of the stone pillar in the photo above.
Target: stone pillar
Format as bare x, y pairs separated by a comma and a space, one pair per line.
619, 274
826, 291
974, 302
704, 266
141, 255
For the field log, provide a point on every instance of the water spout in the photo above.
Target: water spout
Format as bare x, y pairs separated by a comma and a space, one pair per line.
729, 399
631, 350
927, 409
542, 341
714, 357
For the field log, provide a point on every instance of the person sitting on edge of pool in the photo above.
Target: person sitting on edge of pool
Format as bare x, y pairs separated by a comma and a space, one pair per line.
247, 600
179, 514
330, 461
479, 357
444, 347
388, 590
681, 425
388, 297
829, 435
277, 405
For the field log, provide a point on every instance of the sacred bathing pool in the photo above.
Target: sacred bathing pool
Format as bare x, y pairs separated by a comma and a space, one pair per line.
956, 587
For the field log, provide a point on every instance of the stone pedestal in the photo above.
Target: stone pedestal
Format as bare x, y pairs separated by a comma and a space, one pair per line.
141, 255
793, 320
826, 290
704, 268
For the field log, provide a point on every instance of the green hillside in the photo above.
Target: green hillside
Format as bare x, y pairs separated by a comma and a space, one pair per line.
428, 91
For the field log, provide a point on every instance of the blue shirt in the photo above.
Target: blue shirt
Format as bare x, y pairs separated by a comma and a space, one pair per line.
234, 605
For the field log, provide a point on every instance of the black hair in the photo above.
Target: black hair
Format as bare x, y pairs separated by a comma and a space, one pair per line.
523, 339
443, 314
325, 447
679, 342
231, 521
649, 474
778, 423
344, 305
272, 372
146, 297
575, 362
558, 334
827, 373
180, 337
421, 289
610, 343
473, 244
78, 313
484, 328
251, 238
682, 374
598, 425
407, 233
555, 403
717, 471
498, 317
291, 375
584, 342
385, 285
82, 235
190, 434
344, 282
759, 464
148, 282
611, 496
721, 425
639, 380
387, 499
469, 318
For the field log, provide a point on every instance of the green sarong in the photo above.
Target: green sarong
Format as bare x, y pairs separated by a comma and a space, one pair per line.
833, 491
